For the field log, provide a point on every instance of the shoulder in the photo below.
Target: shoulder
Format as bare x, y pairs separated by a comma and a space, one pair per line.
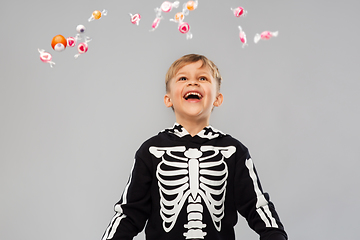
225, 139
240, 147
160, 139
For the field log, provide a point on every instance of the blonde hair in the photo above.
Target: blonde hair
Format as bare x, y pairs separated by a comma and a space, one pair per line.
191, 58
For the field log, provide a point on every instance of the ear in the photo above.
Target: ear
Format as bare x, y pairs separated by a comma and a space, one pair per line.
167, 101
219, 99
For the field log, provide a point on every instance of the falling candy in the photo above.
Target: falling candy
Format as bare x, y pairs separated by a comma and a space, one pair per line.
135, 19
58, 43
155, 23
83, 47
188, 6
265, 35
71, 41
167, 6
239, 12
97, 15
242, 36
191, 5
46, 57
80, 28
184, 28
179, 17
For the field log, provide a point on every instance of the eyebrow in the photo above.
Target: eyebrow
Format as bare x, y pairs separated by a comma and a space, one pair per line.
201, 73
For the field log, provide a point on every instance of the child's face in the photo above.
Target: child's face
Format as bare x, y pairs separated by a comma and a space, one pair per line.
193, 93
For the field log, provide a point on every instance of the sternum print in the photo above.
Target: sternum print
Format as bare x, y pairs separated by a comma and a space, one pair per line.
194, 208
194, 176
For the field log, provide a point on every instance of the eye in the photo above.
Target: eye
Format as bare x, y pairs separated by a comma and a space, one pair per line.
182, 79
203, 79
80, 28
59, 47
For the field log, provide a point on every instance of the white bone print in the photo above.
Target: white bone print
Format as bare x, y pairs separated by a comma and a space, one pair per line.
192, 175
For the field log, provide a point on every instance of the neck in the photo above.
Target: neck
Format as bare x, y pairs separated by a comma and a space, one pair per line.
193, 127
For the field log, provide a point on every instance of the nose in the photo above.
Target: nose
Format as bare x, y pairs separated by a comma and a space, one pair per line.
193, 82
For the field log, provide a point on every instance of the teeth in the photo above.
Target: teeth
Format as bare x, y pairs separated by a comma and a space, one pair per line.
193, 93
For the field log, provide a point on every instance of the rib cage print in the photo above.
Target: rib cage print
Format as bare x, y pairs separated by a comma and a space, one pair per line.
192, 175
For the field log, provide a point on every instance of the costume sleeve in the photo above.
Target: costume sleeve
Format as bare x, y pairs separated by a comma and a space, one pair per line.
132, 211
255, 205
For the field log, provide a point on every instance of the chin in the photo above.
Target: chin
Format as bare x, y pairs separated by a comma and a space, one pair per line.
194, 111
197, 114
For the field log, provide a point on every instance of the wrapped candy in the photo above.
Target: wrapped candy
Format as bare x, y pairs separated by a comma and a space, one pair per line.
242, 36
190, 6
179, 17
184, 28
155, 23
167, 6
265, 35
71, 41
239, 12
135, 19
83, 47
58, 43
80, 28
46, 57
97, 15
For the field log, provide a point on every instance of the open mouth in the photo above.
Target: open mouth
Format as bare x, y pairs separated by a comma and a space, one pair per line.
192, 95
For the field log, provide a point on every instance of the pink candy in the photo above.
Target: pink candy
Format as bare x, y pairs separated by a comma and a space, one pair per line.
184, 28
265, 35
46, 57
168, 6
239, 12
156, 23
83, 47
242, 36
71, 41
165, 7
135, 19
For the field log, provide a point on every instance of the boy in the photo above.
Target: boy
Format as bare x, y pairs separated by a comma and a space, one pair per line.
189, 181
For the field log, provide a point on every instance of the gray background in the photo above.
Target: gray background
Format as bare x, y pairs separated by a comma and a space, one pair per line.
68, 134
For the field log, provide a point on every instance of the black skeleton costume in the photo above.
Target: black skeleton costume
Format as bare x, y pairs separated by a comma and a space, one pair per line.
188, 187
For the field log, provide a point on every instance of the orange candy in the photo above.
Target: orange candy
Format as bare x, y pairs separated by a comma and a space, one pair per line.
191, 5
96, 14
179, 16
58, 43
